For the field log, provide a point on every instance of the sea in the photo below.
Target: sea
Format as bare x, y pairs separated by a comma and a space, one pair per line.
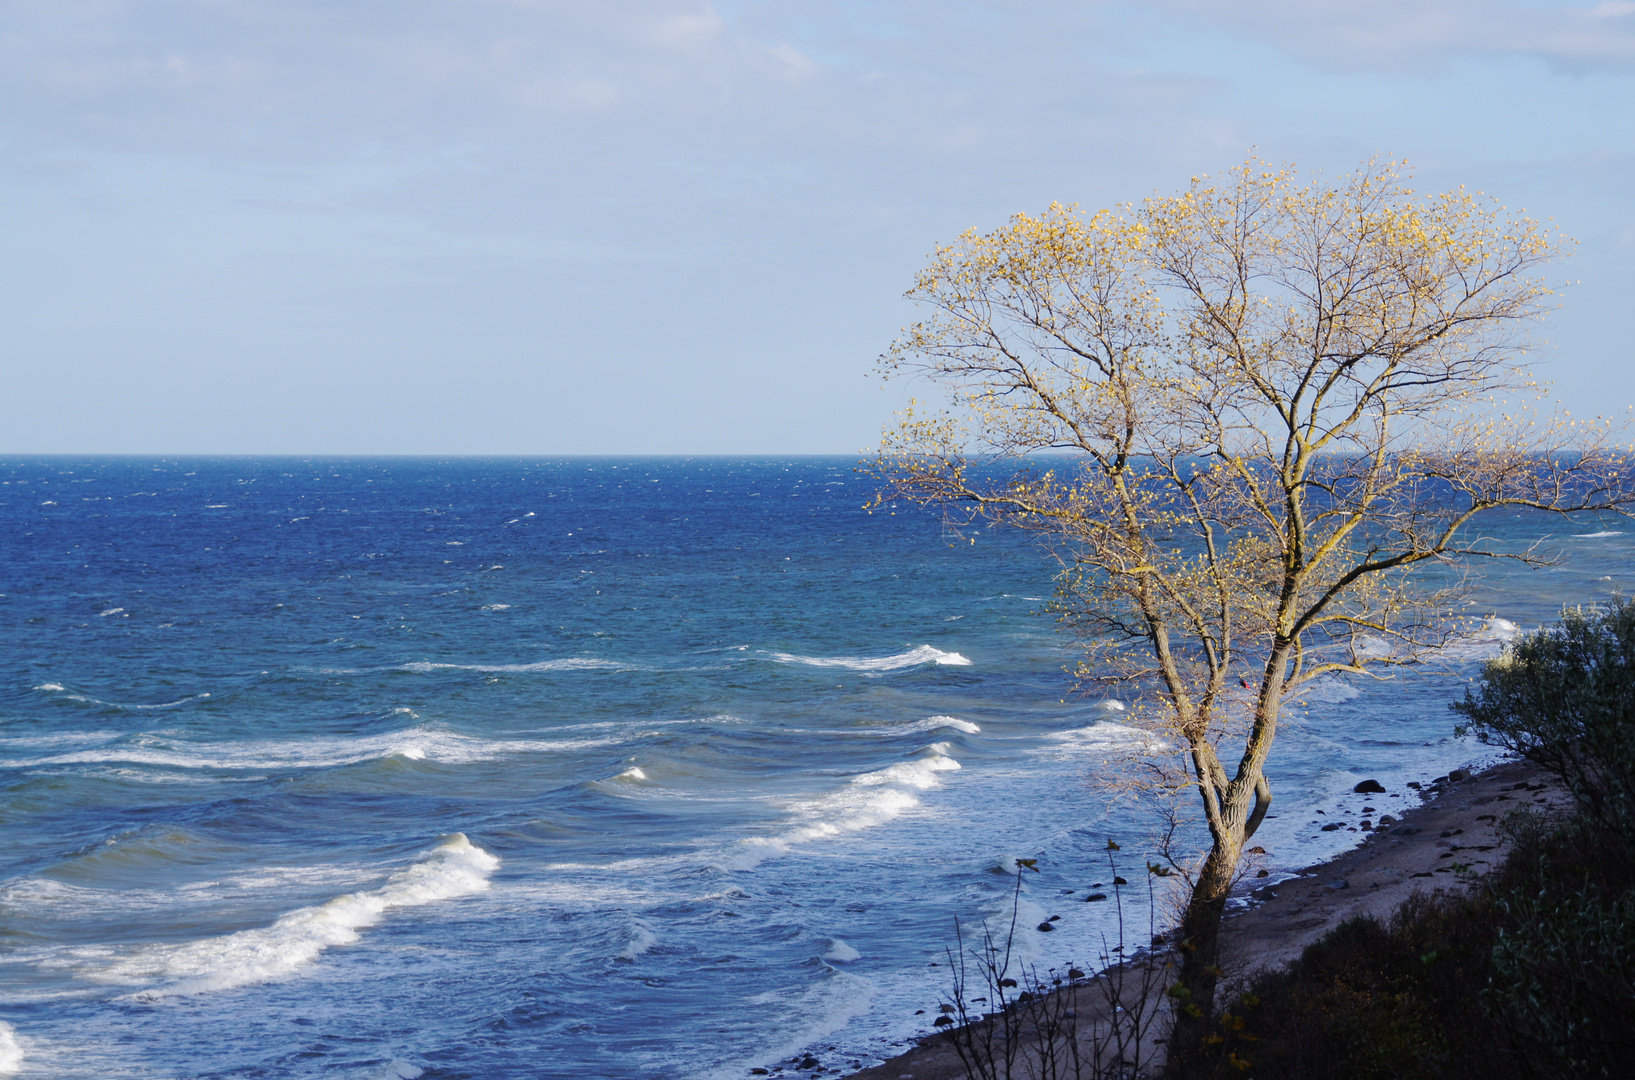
629, 768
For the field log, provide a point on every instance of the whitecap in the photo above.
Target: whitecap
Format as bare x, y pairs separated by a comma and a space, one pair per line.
572, 663
11, 1051
872, 798
396, 1069
88, 700
920, 773
1599, 535
924, 654
455, 867
496, 607
1107, 737
841, 953
935, 723
415, 744
110, 611
1485, 643
1325, 690
632, 773
58, 739
641, 939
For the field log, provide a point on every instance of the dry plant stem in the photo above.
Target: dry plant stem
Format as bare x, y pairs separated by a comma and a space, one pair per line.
1052, 1026
1287, 406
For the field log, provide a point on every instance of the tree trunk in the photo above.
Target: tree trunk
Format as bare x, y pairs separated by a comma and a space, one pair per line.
1193, 997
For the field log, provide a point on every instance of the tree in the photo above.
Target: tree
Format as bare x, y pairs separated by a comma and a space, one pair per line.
1280, 401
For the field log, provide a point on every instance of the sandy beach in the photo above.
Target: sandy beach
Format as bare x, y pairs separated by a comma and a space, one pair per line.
1440, 835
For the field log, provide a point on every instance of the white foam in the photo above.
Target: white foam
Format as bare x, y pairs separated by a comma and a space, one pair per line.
110, 611
841, 953
1106, 737
641, 939
59, 688
416, 744
871, 799
572, 663
11, 1052
1483, 644
59, 738
496, 607
455, 867
1599, 535
396, 1069
924, 654
1324, 689
632, 773
935, 722
919, 773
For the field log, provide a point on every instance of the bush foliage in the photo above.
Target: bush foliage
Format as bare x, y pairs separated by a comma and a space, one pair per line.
1564, 698
1532, 974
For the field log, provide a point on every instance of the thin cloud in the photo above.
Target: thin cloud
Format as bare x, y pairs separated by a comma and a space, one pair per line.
1415, 34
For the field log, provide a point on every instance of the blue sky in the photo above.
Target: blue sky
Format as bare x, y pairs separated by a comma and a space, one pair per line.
663, 226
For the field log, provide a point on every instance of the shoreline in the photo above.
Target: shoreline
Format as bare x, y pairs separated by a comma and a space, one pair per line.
1446, 842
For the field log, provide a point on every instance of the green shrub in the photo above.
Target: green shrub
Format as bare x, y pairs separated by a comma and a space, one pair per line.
1564, 957
1564, 698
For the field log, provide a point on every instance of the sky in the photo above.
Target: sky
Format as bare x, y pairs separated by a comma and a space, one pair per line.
671, 227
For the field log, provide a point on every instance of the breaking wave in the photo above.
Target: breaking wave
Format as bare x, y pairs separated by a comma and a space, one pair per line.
455, 867
924, 654
871, 799
572, 663
415, 744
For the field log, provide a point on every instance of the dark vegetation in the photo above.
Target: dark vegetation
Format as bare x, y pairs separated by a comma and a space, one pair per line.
1530, 973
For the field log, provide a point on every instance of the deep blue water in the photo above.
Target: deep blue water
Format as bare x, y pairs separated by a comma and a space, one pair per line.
516, 768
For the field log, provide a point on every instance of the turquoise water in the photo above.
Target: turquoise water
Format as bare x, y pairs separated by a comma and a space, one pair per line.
520, 768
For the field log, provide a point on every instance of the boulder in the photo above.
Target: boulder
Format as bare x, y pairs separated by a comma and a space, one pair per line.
1369, 787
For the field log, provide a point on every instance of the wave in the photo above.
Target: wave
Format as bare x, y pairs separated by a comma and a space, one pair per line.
60, 738
1598, 535
1324, 690
455, 867
1108, 737
11, 1053
871, 799
841, 953
572, 663
58, 688
415, 744
924, 654
641, 939
937, 723
1483, 644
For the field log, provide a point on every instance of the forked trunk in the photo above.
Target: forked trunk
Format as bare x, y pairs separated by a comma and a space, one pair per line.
1193, 996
